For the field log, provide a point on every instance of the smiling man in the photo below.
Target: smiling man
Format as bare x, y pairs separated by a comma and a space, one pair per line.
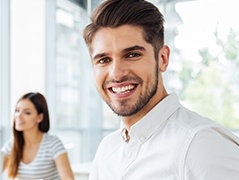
159, 139
128, 76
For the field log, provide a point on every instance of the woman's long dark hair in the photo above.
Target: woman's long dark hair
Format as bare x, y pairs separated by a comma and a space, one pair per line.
16, 154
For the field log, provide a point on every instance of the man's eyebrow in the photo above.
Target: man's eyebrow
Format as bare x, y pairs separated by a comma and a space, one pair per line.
132, 48
97, 56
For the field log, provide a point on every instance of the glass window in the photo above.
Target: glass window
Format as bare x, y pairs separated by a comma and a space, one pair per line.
68, 68
204, 37
72, 87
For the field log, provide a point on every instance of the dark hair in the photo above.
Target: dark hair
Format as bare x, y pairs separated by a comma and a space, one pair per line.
16, 154
114, 13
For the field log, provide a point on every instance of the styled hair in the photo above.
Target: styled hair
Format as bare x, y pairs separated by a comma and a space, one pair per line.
115, 13
16, 154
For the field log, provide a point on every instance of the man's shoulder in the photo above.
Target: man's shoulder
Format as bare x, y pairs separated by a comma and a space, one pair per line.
110, 142
190, 120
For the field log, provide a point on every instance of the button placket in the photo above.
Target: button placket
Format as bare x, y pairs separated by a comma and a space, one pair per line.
130, 153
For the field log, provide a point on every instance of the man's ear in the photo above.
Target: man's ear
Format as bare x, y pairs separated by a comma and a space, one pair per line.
164, 54
40, 117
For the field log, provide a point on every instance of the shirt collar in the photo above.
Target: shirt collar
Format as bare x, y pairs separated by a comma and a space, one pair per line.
143, 129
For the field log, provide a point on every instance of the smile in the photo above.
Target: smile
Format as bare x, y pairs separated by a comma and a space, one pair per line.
123, 89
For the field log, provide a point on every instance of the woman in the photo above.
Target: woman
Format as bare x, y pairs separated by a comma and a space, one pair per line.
33, 153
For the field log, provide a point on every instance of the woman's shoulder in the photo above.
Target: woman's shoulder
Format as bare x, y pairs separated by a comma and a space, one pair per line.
50, 136
51, 139
54, 143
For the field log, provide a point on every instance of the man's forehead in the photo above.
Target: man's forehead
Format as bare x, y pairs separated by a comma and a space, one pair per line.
121, 37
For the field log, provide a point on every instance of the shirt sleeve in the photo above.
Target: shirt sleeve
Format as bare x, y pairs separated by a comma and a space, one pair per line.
7, 147
57, 147
213, 154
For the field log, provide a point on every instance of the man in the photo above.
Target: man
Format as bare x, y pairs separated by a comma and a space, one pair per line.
160, 139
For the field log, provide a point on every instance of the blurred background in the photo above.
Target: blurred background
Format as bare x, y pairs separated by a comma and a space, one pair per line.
42, 49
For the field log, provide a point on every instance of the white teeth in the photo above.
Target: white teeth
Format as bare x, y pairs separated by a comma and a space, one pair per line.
122, 89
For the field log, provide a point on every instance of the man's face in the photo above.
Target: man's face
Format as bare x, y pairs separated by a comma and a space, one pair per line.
125, 69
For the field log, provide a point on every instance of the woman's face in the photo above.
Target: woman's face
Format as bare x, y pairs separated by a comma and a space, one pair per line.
26, 116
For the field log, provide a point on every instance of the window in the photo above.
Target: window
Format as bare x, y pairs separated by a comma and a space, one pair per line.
44, 51
205, 57
78, 115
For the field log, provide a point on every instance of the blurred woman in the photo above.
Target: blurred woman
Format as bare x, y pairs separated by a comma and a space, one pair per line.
32, 153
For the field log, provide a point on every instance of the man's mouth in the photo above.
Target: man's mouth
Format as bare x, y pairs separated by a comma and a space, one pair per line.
123, 89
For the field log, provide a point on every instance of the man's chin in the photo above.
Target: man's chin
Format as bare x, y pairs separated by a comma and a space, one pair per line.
123, 112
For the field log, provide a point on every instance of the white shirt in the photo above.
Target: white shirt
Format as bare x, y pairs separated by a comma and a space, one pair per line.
43, 165
169, 143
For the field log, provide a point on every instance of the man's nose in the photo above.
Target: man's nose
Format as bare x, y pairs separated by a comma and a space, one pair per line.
118, 69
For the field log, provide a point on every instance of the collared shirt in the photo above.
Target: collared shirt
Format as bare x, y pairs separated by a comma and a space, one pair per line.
169, 143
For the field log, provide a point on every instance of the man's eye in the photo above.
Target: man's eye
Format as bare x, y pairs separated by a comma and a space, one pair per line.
104, 60
132, 55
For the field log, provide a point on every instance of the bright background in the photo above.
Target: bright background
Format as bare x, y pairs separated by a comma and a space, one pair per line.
42, 50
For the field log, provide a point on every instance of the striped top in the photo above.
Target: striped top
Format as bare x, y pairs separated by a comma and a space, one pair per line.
43, 165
